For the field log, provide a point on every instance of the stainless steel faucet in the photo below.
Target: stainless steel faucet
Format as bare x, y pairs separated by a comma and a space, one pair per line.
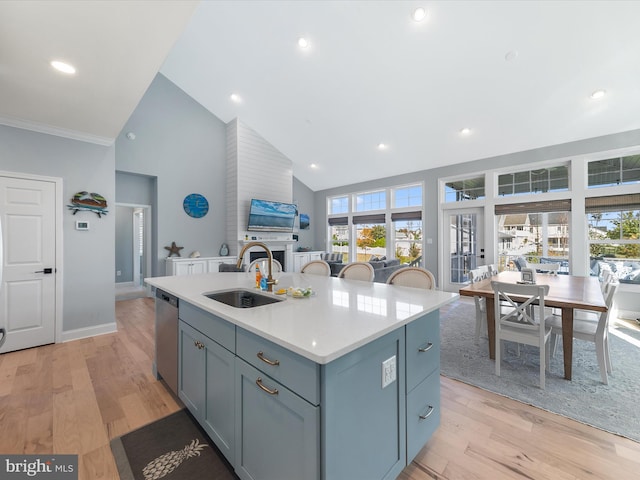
270, 280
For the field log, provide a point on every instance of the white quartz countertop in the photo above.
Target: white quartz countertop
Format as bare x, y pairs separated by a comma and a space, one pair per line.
340, 317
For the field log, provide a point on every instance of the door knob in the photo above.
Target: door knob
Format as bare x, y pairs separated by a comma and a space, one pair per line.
46, 270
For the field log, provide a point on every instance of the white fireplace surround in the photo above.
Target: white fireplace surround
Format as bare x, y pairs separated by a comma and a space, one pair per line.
283, 245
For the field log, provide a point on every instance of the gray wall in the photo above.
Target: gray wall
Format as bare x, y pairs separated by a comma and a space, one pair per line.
133, 189
430, 178
184, 146
303, 197
124, 244
88, 256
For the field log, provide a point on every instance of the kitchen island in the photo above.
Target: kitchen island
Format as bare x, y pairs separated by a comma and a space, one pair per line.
341, 384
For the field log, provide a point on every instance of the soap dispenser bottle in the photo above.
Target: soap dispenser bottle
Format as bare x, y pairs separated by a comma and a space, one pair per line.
258, 276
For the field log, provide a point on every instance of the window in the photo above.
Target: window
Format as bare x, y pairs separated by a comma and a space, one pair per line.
541, 180
338, 205
379, 223
371, 201
535, 232
339, 236
614, 236
410, 196
614, 171
467, 189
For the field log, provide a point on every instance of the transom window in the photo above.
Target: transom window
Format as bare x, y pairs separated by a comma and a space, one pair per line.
410, 196
466, 189
614, 171
338, 205
539, 180
371, 201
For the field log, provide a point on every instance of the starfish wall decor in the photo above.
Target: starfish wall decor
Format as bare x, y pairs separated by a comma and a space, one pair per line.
174, 249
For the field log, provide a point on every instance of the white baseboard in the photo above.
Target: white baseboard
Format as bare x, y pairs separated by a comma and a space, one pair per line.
87, 332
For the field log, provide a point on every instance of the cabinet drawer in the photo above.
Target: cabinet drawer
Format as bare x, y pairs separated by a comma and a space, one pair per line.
213, 327
423, 414
299, 374
423, 348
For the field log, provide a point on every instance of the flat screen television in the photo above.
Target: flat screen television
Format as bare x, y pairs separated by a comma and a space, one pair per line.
268, 216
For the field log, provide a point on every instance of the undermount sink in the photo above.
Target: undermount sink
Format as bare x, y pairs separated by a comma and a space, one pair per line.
242, 298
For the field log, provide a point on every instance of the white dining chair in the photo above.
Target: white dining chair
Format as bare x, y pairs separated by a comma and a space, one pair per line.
552, 268
317, 267
516, 321
416, 277
475, 276
589, 330
358, 271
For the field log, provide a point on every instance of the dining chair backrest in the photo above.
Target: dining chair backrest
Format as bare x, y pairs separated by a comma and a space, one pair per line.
358, 271
476, 275
516, 309
276, 265
491, 269
417, 277
545, 267
603, 321
607, 278
316, 267
523, 312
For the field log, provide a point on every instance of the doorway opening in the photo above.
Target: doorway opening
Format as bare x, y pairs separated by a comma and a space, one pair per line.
133, 250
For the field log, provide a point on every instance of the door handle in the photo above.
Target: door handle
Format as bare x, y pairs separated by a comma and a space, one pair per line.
45, 271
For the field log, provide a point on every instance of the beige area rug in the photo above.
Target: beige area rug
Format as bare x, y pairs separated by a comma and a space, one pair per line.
172, 448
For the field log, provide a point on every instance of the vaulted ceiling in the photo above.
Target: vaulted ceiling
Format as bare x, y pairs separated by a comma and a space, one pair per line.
518, 75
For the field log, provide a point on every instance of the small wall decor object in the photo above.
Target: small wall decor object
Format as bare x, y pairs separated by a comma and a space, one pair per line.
195, 205
90, 202
174, 249
304, 221
224, 250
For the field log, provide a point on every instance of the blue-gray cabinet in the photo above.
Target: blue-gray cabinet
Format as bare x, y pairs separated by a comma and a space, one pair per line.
206, 375
277, 415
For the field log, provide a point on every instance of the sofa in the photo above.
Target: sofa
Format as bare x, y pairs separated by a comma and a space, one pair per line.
381, 266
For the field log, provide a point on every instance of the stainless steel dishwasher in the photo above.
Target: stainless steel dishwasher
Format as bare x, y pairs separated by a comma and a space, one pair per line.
167, 339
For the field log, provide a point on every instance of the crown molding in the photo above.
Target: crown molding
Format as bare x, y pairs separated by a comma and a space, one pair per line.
57, 131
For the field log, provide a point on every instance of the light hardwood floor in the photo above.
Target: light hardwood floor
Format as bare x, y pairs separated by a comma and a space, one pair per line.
75, 397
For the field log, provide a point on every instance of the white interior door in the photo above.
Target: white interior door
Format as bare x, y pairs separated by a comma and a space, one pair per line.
28, 289
463, 246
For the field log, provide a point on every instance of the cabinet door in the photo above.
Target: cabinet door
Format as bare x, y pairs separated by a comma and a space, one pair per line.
191, 369
277, 432
219, 413
181, 268
299, 259
197, 266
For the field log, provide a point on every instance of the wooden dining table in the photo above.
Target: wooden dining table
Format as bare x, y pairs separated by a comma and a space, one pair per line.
566, 292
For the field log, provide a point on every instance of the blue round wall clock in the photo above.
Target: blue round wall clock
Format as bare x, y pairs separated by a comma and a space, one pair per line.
195, 205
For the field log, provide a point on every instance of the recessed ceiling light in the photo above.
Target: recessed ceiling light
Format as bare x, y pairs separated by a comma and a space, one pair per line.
598, 94
382, 146
419, 14
313, 165
235, 98
465, 131
63, 67
303, 42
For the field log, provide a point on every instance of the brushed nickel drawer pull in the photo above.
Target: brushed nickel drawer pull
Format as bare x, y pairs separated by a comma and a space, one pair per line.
427, 348
268, 390
273, 363
429, 412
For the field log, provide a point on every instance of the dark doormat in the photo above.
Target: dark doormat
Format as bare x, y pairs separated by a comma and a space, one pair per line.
172, 448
